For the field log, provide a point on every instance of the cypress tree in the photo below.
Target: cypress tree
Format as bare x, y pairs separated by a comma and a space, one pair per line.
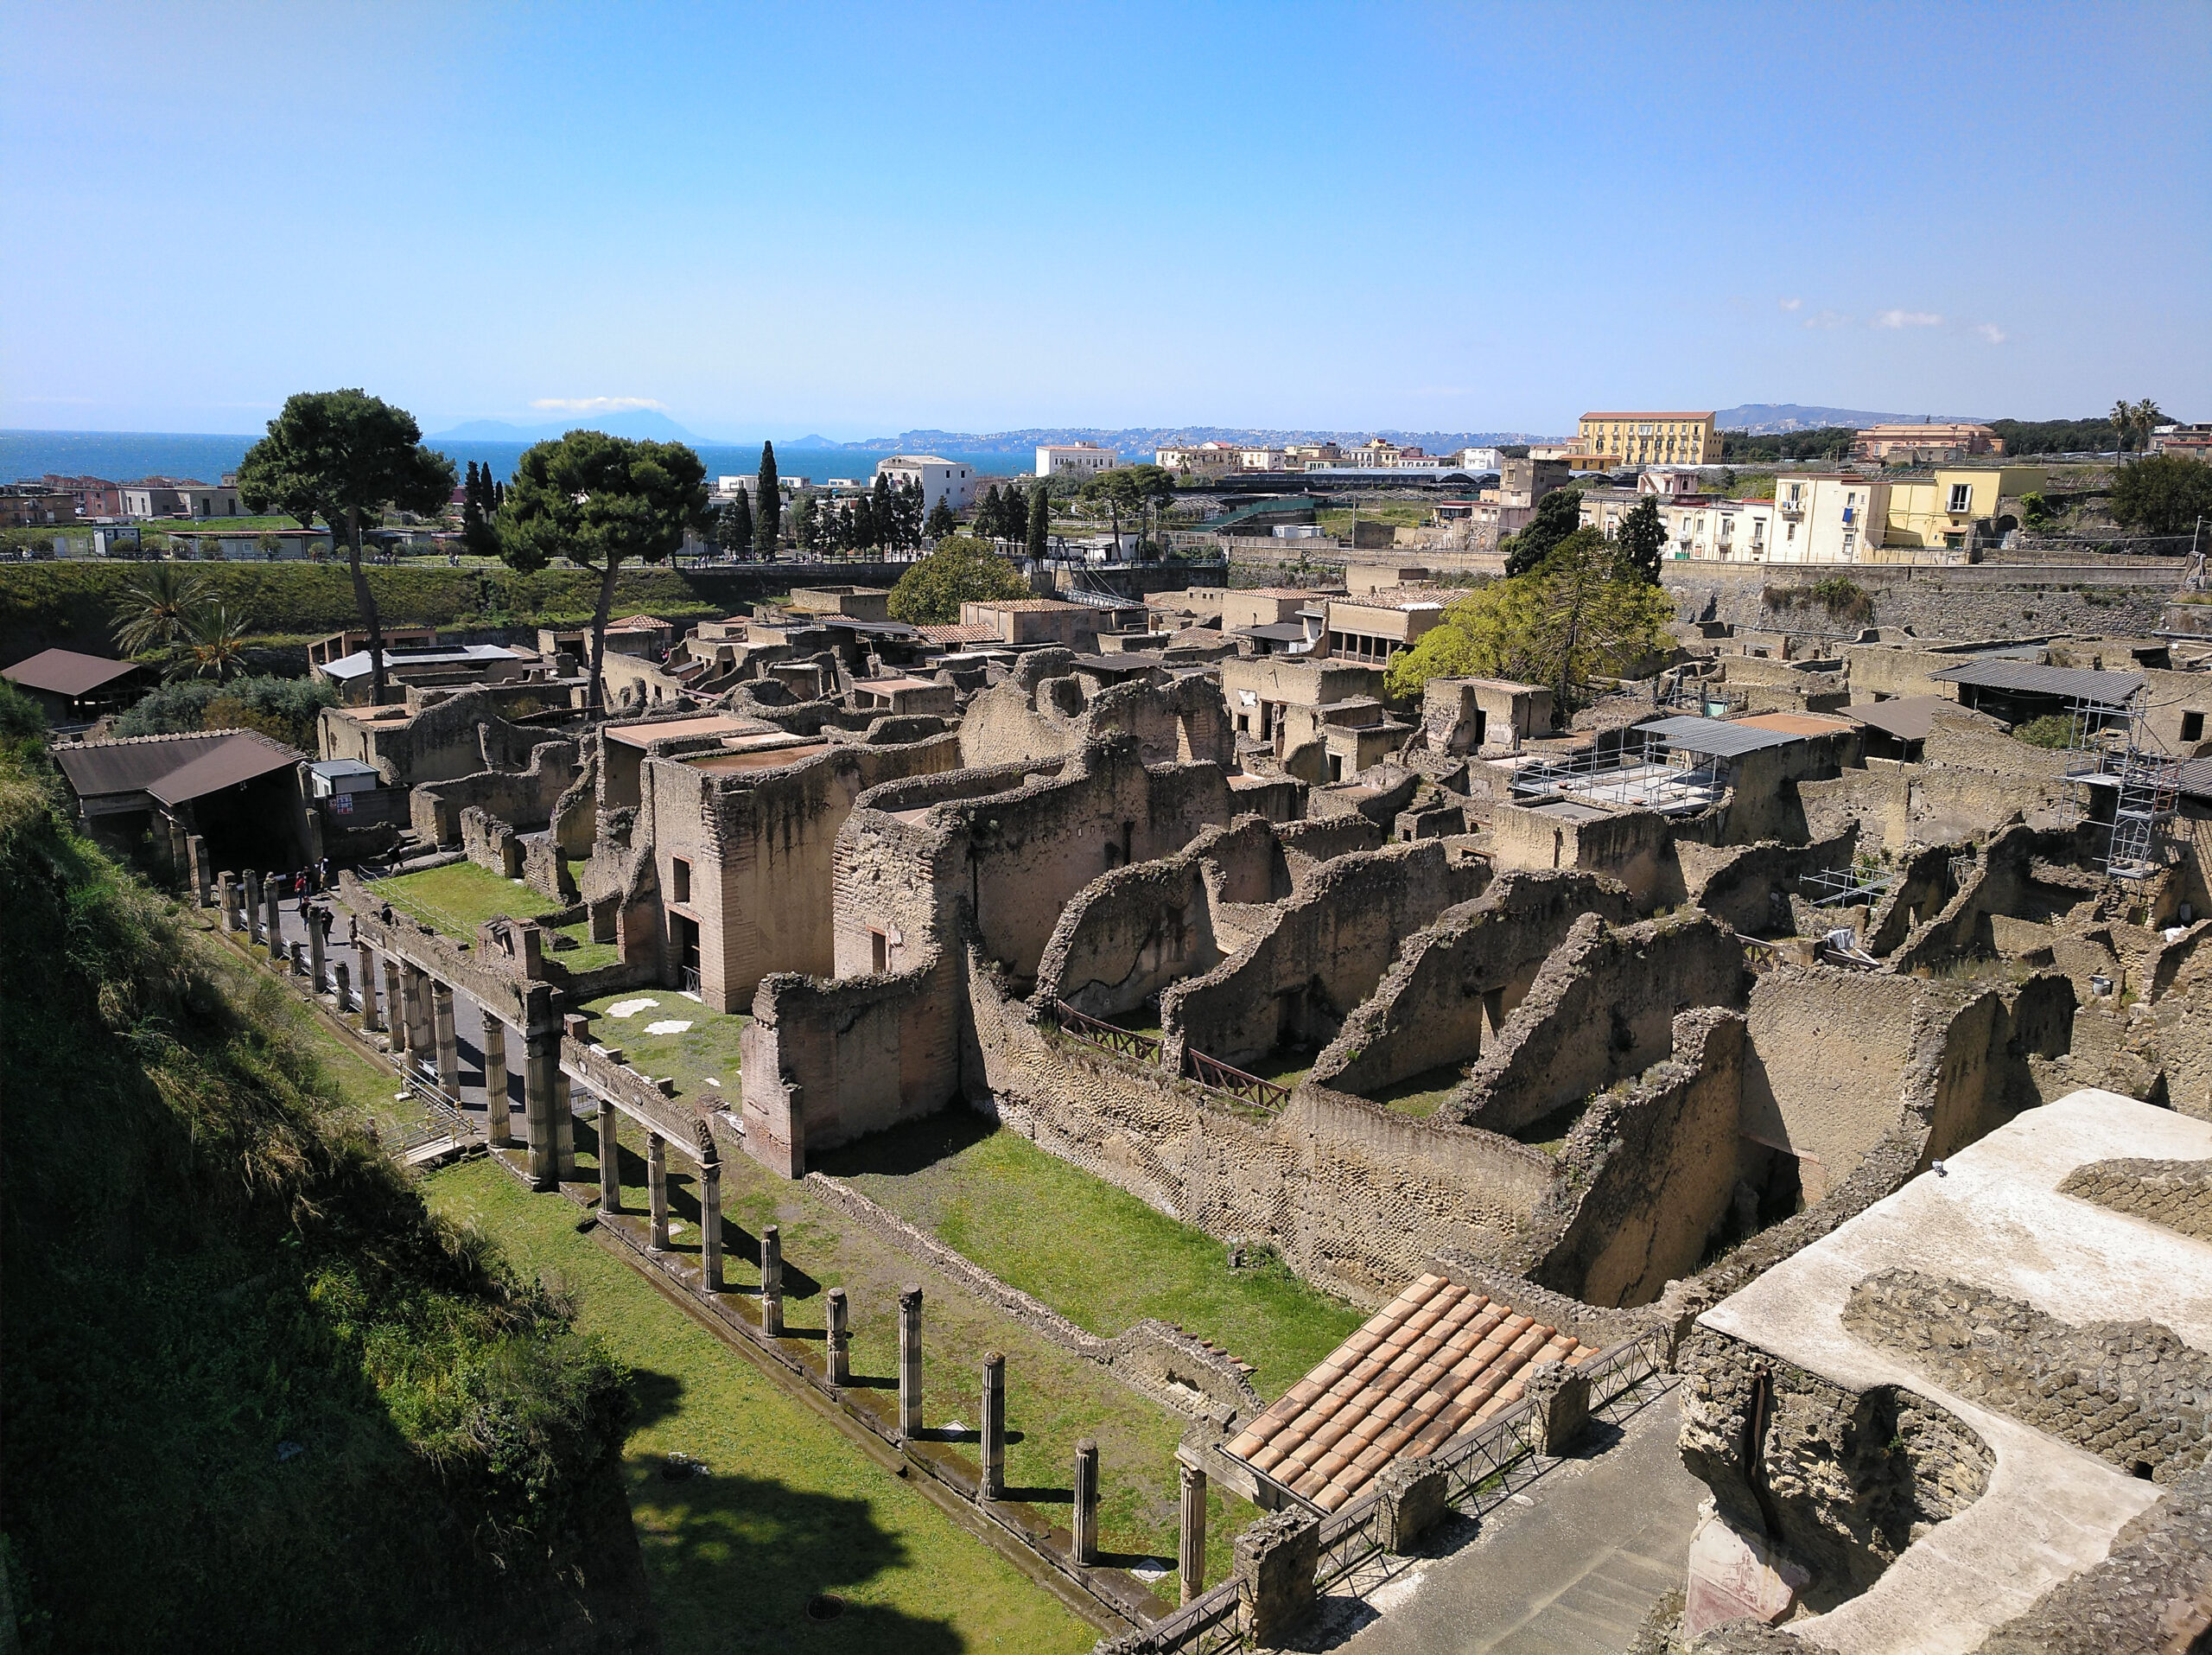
941, 522
769, 518
1041, 519
737, 524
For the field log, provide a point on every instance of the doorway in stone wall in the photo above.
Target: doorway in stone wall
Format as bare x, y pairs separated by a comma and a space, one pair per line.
683, 935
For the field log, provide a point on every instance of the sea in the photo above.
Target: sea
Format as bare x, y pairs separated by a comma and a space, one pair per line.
125, 456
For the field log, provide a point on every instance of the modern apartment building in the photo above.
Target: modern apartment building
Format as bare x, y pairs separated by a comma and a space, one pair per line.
167, 497
1720, 531
1479, 458
1945, 510
940, 479
1652, 439
1084, 459
1827, 518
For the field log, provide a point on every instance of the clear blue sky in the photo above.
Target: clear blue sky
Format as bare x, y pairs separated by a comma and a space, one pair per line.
858, 220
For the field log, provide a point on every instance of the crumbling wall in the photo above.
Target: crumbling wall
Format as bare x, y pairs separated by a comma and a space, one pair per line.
456, 736
2131, 1393
1041, 708
1839, 1060
1355, 1199
1131, 932
1602, 1009
523, 799
1456, 983
1296, 982
1841, 1480
1748, 886
1651, 1169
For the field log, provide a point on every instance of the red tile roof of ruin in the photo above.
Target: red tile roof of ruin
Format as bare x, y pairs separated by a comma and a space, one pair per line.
958, 635
1436, 1359
1795, 723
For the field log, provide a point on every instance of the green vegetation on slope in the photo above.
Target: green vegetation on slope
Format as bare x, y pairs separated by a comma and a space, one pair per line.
1094, 1252
788, 1506
258, 1398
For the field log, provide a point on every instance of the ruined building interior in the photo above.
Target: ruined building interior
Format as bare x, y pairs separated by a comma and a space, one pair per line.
1674, 1026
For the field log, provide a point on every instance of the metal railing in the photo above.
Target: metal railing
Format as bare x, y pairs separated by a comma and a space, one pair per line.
1213, 1074
1143, 1048
1845, 887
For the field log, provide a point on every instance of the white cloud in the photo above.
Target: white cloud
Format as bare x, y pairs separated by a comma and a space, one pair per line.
598, 405
1990, 332
1825, 319
1907, 319
1790, 304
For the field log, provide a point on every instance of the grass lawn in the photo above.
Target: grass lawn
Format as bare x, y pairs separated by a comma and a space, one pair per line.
1094, 1252
696, 1057
461, 896
1423, 1094
1054, 1399
788, 1507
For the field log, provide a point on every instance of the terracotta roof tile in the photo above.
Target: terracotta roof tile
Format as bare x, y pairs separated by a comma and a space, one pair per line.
1437, 1358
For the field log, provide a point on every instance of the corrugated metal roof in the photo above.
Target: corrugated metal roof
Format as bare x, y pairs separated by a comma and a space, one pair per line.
65, 673
2077, 683
357, 665
1715, 738
1908, 717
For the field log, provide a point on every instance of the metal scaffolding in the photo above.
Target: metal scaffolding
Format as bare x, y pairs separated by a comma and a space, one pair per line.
2144, 780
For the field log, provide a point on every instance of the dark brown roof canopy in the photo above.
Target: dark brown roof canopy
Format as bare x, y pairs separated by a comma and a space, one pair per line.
65, 673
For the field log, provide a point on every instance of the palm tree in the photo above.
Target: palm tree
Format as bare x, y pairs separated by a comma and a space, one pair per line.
2149, 415
214, 645
159, 607
2123, 421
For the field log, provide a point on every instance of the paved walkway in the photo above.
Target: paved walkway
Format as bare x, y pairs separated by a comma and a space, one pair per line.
1573, 1572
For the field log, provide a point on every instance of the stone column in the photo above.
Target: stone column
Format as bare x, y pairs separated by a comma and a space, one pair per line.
541, 1065
1413, 1494
420, 1040
1193, 1554
610, 1157
564, 1124
341, 982
499, 1123
226, 890
314, 955
1276, 1560
253, 904
838, 1346
368, 957
1083, 1521
1561, 1396
448, 1044
710, 1224
910, 1358
274, 918
202, 873
994, 1484
395, 1003
179, 857
771, 1282
657, 1188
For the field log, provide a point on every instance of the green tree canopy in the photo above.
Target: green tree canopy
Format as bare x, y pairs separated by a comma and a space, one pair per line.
962, 570
1041, 519
768, 519
1580, 613
600, 502
343, 455
941, 522
2163, 495
1557, 515
1643, 536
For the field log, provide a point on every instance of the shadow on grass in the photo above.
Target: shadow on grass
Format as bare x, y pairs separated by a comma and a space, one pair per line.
1042, 1496
658, 1396
731, 1551
908, 1147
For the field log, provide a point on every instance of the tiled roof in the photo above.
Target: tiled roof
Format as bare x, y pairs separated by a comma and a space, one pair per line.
1439, 1357
959, 635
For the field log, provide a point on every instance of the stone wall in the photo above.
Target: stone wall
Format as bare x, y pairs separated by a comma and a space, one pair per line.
1634, 847
1295, 982
2130, 1393
457, 736
1355, 1199
1456, 983
1041, 710
1986, 601
1650, 1171
1842, 1481
1601, 1009
1132, 933
1739, 885
522, 798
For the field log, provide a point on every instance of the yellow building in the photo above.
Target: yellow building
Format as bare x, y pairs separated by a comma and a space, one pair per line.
1676, 439
1942, 511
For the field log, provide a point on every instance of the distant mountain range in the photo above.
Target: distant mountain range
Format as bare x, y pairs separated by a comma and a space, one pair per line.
1780, 419
1142, 439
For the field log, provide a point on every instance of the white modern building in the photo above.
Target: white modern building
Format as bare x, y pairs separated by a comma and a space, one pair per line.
1479, 458
941, 478
1084, 459
1199, 460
